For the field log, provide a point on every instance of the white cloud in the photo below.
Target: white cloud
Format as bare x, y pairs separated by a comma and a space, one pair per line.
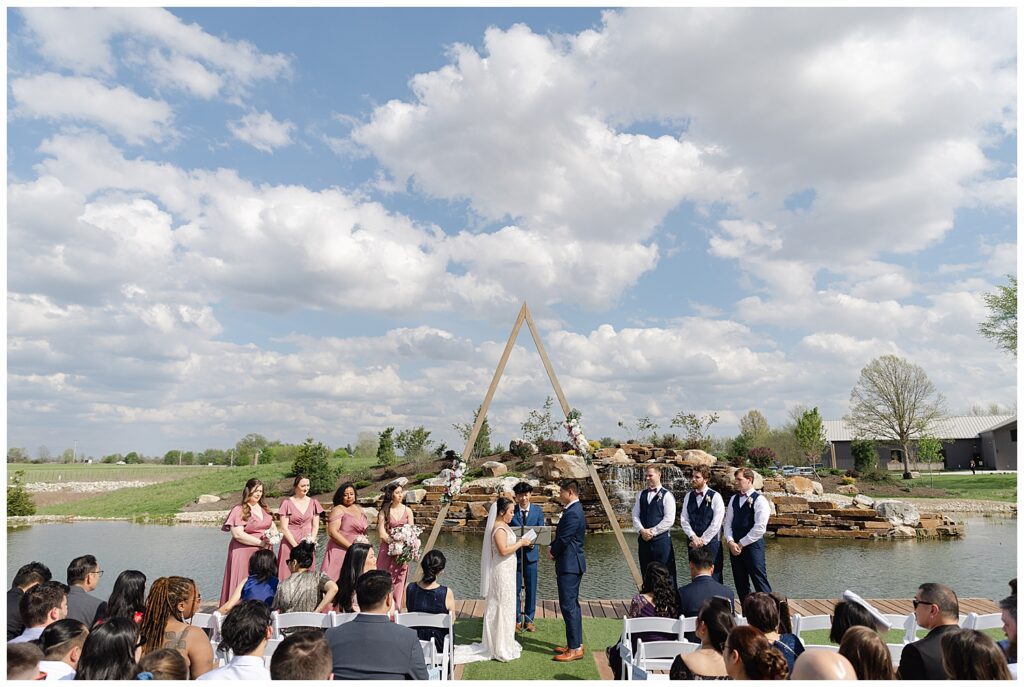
262, 131
116, 109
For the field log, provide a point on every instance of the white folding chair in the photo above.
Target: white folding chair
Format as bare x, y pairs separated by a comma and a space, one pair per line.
630, 626
805, 623
268, 652
895, 652
741, 620
212, 622
441, 621
907, 622
284, 621
829, 647
341, 618
989, 621
652, 656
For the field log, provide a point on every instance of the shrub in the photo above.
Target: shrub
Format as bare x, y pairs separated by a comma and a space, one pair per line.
761, 457
19, 502
607, 442
314, 461
422, 476
521, 451
594, 445
363, 483
849, 480
865, 457
670, 440
549, 446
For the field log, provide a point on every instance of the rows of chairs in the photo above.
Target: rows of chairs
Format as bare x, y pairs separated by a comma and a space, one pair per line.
441, 662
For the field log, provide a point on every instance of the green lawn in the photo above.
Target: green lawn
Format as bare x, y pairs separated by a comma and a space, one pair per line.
536, 663
1002, 487
166, 498
102, 472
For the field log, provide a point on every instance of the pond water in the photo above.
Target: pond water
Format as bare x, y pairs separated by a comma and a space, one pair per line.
980, 565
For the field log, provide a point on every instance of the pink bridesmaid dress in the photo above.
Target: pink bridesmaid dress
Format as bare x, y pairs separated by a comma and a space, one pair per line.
300, 524
237, 568
335, 555
399, 573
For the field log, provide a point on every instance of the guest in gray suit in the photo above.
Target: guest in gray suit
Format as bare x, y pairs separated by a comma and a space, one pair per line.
371, 647
83, 577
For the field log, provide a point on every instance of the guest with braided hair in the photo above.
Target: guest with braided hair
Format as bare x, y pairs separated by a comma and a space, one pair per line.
172, 601
252, 528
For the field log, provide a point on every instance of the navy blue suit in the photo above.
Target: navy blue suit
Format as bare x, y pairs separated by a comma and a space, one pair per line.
534, 518
570, 564
692, 596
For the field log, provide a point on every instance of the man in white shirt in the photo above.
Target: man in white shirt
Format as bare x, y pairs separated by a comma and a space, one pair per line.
701, 518
746, 520
653, 515
40, 606
245, 632
62, 644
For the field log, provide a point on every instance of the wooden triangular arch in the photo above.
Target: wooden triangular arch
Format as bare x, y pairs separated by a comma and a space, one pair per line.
524, 315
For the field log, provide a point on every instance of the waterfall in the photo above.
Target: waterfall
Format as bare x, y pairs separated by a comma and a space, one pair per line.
623, 482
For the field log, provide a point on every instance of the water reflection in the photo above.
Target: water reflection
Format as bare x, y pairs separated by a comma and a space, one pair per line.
978, 566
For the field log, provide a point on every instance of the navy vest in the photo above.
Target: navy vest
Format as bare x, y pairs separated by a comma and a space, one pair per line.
652, 513
742, 515
700, 517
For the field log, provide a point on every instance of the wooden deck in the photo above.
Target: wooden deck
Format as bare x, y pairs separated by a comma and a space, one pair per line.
605, 608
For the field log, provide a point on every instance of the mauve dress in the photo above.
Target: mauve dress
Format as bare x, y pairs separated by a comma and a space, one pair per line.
237, 568
399, 573
335, 555
300, 524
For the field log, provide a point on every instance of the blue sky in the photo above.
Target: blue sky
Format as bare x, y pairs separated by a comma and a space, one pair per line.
322, 221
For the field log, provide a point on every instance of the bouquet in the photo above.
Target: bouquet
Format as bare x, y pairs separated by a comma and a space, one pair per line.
272, 539
576, 438
454, 486
404, 547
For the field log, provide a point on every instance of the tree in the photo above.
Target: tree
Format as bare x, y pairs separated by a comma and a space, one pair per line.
17, 455
386, 448
761, 457
132, 458
810, 436
1001, 323
19, 502
213, 455
250, 447
740, 446
696, 429
43, 453
538, 426
482, 445
366, 446
414, 443
929, 450
314, 461
755, 426
67, 455
341, 454
991, 408
895, 401
642, 428
865, 455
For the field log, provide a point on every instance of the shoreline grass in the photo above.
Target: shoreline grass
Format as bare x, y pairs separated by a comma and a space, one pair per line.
980, 487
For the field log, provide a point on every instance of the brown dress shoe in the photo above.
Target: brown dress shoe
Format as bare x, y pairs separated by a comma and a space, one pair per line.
519, 628
561, 649
571, 655
530, 627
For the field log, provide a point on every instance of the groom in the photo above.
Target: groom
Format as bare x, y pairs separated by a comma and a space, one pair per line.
570, 564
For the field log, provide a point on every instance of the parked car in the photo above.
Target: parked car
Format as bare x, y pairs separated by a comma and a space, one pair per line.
788, 470
805, 472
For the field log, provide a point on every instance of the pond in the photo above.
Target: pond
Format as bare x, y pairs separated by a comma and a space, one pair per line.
980, 565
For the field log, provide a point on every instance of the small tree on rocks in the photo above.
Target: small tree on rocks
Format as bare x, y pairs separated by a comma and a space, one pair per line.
386, 448
19, 502
313, 460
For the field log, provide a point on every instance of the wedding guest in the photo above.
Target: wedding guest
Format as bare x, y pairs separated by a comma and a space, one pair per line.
703, 585
245, 633
657, 599
750, 656
171, 602
346, 522
393, 513
300, 521
653, 514
41, 606
430, 596
163, 664
83, 577
62, 644
396, 653
359, 559
762, 612
260, 585
937, 610
252, 528
127, 599
304, 655
822, 664
23, 659
972, 655
109, 652
847, 614
1008, 606
305, 589
868, 654
714, 622
28, 576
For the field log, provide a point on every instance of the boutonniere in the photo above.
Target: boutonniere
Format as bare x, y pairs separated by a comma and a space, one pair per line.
660, 496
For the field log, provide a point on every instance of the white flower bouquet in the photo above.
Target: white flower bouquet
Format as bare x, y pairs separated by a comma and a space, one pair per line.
404, 547
272, 537
454, 485
576, 438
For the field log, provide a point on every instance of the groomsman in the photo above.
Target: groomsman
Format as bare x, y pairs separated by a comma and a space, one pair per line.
526, 559
701, 518
746, 520
653, 515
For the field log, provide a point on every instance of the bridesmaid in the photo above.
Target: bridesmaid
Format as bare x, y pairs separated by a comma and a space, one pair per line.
300, 518
346, 522
393, 513
250, 523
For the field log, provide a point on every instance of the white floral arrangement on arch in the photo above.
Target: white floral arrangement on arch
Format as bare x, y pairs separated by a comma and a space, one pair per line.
455, 477
404, 546
576, 437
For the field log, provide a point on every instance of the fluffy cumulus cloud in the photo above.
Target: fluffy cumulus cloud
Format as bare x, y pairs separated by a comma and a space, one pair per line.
262, 131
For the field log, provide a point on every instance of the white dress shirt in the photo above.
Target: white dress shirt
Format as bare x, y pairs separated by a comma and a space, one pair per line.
239, 668
717, 510
57, 670
669, 502
30, 634
761, 513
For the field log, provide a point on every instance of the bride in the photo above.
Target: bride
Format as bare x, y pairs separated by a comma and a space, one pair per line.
498, 587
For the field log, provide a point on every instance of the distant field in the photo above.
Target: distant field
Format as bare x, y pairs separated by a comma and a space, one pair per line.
103, 472
998, 487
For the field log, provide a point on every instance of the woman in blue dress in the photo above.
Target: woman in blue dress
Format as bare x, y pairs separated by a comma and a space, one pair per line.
260, 585
430, 596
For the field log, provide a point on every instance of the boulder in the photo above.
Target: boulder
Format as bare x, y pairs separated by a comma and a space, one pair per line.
695, 456
531, 448
798, 485
898, 513
400, 481
563, 466
478, 509
507, 484
415, 495
818, 489
863, 500
371, 515
493, 468
848, 489
617, 457
902, 531
207, 498
440, 481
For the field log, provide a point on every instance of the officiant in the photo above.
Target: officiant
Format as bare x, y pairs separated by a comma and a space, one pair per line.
526, 559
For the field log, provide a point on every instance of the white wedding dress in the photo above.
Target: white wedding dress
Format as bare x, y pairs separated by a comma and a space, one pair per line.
499, 587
